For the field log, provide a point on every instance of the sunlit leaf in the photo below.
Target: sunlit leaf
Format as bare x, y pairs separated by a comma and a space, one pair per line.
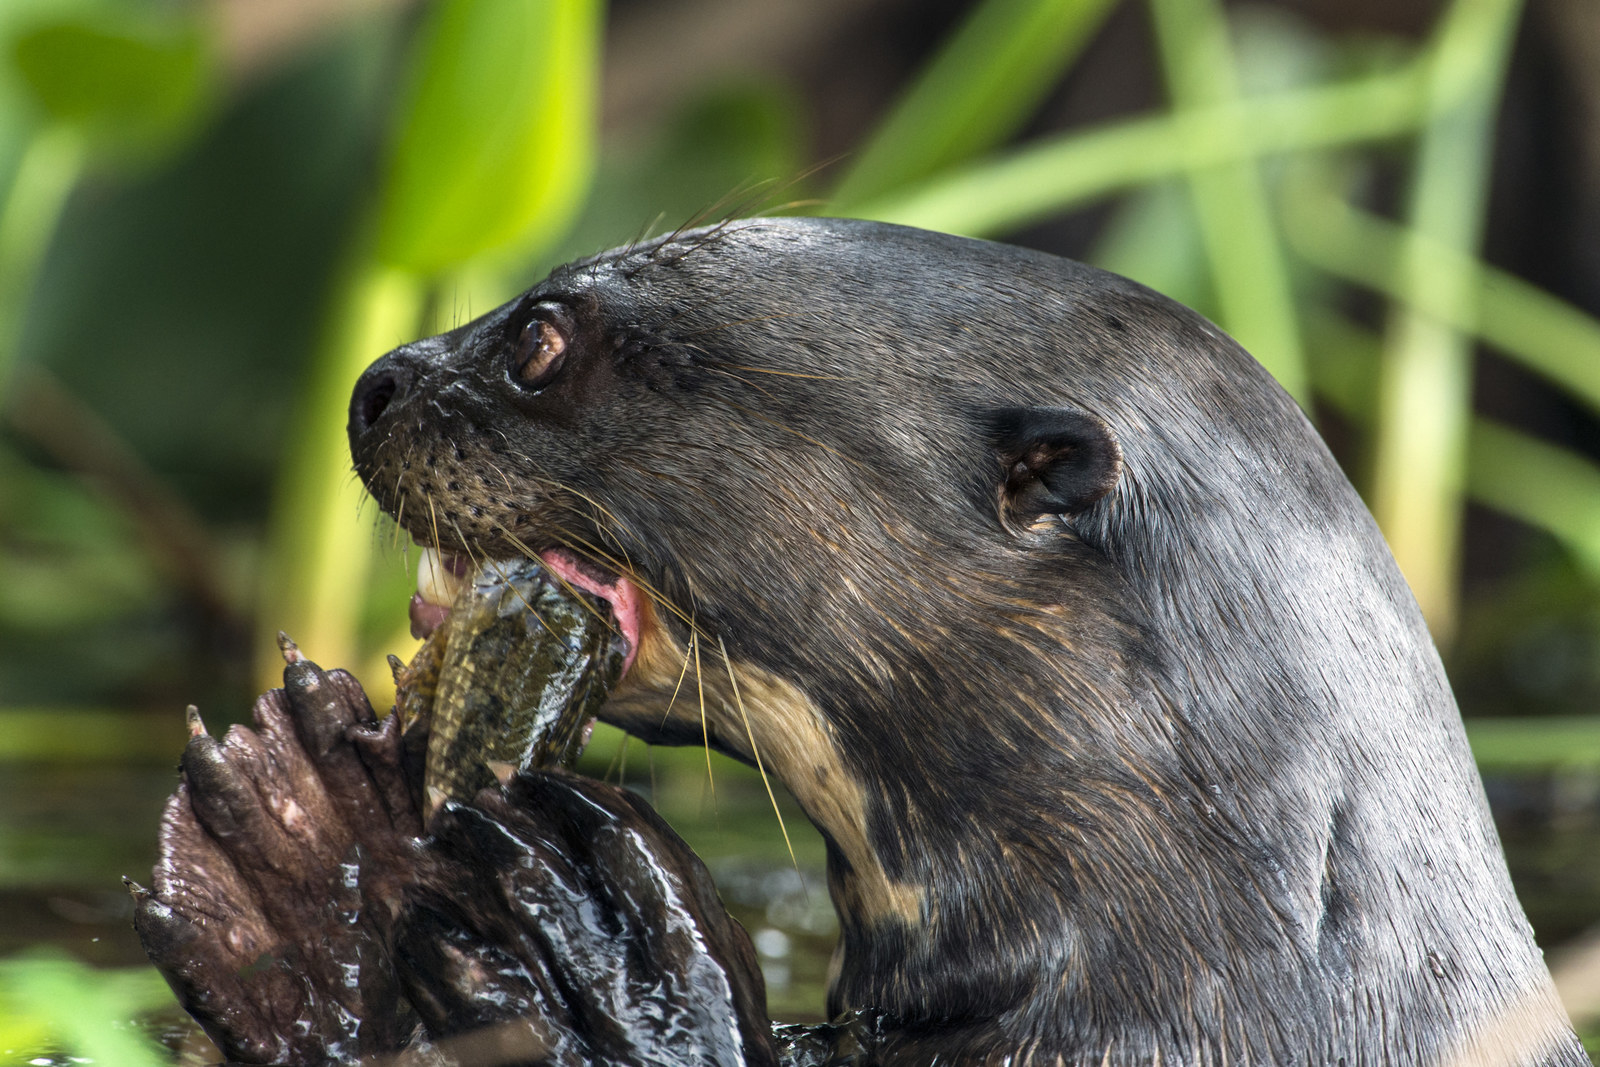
1542, 484
1254, 299
84, 1011
495, 143
127, 83
1542, 332
1535, 744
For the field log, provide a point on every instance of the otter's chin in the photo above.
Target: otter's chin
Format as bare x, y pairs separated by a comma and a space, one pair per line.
441, 576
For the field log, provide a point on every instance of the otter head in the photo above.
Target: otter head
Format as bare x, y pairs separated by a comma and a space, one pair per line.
955, 539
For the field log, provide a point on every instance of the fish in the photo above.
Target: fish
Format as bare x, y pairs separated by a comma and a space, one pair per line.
509, 681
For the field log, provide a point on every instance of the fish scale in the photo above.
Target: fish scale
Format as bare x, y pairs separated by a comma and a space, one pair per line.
510, 679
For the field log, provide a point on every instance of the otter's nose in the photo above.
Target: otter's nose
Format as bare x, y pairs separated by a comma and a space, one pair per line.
379, 386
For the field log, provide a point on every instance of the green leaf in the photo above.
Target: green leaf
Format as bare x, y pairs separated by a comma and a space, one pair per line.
126, 83
1535, 743
1152, 238
1543, 333
85, 1011
495, 144
1425, 387
1052, 174
1254, 297
1540, 483
983, 85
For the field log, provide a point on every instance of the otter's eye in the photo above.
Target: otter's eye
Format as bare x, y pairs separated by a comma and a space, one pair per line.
540, 352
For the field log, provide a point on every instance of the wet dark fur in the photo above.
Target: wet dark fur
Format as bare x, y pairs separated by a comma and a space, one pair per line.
1177, 775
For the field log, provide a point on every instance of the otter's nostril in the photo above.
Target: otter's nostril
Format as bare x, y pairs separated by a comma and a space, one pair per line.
372, 400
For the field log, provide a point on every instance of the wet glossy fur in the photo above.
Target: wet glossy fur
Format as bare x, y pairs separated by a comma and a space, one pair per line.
1178, 775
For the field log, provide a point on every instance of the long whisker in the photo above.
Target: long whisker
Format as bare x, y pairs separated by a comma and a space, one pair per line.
705, 730
595, 554
687, 309
433, 518
747, 384
574, 593
682, 673
750, 733
787, 373
619, 762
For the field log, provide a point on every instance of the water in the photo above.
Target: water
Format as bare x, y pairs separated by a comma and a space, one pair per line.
70, 830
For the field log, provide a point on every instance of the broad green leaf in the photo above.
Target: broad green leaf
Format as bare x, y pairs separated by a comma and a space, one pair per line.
321, 553
126, 83
494, 146
80, 1009
976, 93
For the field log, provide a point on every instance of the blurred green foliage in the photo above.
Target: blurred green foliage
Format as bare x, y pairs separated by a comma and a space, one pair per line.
193, 272
47, 1000
127, 83
495, 145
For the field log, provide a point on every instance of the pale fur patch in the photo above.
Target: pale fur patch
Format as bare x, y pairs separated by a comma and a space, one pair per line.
796, 742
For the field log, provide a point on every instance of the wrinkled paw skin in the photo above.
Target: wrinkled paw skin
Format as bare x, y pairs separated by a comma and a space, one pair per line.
575, 901
283, 855
302, 917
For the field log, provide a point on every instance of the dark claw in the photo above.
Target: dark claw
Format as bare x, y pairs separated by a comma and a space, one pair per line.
223, 797
301, 920
321, 709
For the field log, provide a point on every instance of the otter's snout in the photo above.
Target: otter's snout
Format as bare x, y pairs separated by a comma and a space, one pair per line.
386, 381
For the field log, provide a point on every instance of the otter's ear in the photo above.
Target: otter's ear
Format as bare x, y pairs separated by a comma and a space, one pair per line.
1056, 460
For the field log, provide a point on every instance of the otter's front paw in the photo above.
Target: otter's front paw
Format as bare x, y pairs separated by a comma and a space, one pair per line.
560, 920
283, 859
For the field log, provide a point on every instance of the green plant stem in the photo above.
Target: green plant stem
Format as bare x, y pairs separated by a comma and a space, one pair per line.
1230, 199
320, 555
1541, 332
46, 174
1539, 483
999, 195
1425, 387
981, 87
1535, 482
1535, 743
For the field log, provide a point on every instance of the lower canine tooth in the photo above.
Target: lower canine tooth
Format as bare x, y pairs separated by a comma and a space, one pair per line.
435, 583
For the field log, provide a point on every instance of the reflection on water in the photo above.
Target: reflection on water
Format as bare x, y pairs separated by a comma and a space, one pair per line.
68, 832
67, 836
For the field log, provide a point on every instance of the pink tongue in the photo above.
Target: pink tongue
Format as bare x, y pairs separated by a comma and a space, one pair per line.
621, 594
425, 617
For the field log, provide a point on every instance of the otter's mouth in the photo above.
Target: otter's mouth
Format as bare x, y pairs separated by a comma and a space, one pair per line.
442, 575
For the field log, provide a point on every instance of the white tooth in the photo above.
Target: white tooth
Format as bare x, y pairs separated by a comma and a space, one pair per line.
436, 584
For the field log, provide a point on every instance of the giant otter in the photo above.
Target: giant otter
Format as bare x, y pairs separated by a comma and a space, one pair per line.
1125, 736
